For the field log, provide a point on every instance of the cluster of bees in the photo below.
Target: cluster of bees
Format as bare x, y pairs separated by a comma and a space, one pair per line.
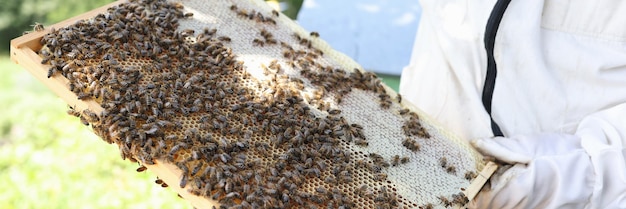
255, 15
184, 98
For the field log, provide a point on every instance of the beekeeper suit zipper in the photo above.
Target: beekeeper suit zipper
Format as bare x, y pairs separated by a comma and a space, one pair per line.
490, 81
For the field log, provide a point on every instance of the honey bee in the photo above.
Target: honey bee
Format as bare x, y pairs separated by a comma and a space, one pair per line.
73, 112
141, 168
315, 34
380, 177
90, 115
395, 161
451, 169
51, 71
445, 201
188, 15
313, 171
404, 160
188, 32
196, 168
361, 142
296, 36
469, 175
210, 32
271, 41
217, 195
334, 111
443, 162
224, 38
258, 42
176, 148
411, 144
266, 34
385, 104
362, 190
423, 133
84, 120
286, 45
427, 206
288, 54
271, 21
321, 190
275, 13
38, 27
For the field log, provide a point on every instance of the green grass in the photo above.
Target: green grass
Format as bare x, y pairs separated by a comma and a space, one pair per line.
48, 159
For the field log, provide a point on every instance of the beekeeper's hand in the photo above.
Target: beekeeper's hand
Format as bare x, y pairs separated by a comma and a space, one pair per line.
549, 170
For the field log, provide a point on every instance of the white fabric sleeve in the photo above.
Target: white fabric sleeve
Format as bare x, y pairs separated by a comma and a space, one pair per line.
603, 136
551, 170
586, 169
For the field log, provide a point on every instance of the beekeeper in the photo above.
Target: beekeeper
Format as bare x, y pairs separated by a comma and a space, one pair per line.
559, 99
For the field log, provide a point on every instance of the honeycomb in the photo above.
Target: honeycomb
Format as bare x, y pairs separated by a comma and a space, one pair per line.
255, 112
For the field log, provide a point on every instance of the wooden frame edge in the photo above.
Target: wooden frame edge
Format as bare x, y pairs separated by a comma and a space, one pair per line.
477, 184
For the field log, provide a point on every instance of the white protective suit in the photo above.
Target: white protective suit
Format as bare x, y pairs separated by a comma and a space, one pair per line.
560, 96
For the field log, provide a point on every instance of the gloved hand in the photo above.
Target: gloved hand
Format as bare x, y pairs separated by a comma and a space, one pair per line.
547, 171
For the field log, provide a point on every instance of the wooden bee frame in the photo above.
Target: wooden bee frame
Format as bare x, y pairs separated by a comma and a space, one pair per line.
24, 52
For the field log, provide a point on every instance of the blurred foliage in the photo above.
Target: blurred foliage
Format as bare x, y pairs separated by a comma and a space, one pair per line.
393, 81
292, 7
